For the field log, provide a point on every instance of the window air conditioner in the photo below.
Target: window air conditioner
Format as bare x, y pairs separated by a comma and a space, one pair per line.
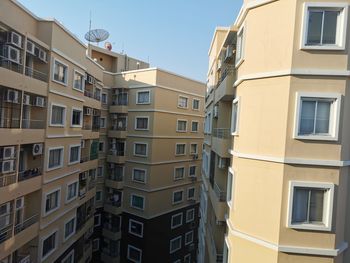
15, 39
39, 102
26, 99
37, 149
11, 96
7, 166
8, 153
30, 47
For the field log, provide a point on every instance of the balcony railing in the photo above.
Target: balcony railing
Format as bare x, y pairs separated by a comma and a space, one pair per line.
26, 223
110, 201
28, 174
30, 72
6, 233
219, 192
110, 253
33, 124
221, 133
6, 63
6, 180
224, 74
117, 153
115, 177
120, 102
84, 158
117, 127
12, 123
111, 227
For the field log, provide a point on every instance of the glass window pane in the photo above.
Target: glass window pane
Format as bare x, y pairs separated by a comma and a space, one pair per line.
323, 116
300, 205
314, 28
307, 117
316, 206
330, 27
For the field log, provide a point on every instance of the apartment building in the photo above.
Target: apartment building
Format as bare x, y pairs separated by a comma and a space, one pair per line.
276, 101
155, 141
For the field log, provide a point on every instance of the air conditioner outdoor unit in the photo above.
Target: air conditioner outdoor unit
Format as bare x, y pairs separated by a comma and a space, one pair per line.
39, 102
30, 47
37, 149
15, 39
216, 111
26, 99
90, 79
11, 96
87, 111
43, 55
7, 166
8, 153
12, 54
19, 203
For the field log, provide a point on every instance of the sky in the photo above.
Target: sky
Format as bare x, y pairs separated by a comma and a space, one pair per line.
174, 35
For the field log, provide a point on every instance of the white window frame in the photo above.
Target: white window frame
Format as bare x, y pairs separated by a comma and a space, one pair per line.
70, 254
173, 195
334, 115
242, 31
69, 154
187, 234
140, 155
178, 100
80, 125
199, 104
187, 258
77, 189
187, 212
231, 179
130, 229
197, 126
46, 213
77, 72
128, 254
104, 93
133, 177
65, 238
194, 193
105, 122
64, 114
194, 143
184, 175
98, 221
341, 24
97, 240
149, 97
171, 241
177, 125
180, 154
144, 202
143, 117
48, 158
172, 220
238, 102
42, 244
53, 72
327, 206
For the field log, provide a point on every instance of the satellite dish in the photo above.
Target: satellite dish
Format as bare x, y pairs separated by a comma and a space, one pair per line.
96, 35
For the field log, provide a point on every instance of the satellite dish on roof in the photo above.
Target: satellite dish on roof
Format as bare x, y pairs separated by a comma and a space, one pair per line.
96, 35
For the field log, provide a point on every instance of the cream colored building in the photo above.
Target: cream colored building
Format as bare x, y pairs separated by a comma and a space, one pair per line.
280, 76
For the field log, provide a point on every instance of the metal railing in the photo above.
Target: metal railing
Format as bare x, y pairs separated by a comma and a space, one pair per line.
219, 192
28, 174
6, 233
117, 127
84, 158
6, 180
120, 102
6, 63
12, 123
30, 72
26, 223
115, 177
110, 201
221, 133
33, 124
117, 153
224, 74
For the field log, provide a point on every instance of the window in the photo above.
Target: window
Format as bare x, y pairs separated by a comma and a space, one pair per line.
77, 118
72, 191
194, 126
60, 72
189, 238
195, 104
208, 123
139, 175
190, 193
98, 196
134, 254
182, 102
178, 197
97, 220
135, 228
230, 187
55, 158
69, 258
137, 201
240, 47
317, 116
100, 171
179, 173
79, 81
141, 123
180, 149
104, 98
175, 244
69, 228
95, 244
101, 146
58, 115
102, 122
176, 220
192, 171
52, 201
325, 26
49, 245
234, 116
189, 215
74, 154
194, 148
140, 149
187, 258
181, 126
310, 206
143, 97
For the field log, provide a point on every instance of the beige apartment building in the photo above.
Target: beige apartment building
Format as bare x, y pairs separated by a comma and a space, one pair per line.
99, 154
276, 158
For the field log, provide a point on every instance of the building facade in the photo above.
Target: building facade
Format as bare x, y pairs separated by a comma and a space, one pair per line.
283, 66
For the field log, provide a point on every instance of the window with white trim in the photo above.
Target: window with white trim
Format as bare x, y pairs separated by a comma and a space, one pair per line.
77, 118
194, 126
95, 244
49, 245
240, 46
140, 149
52, 201
325, 26
181, 126
137, 201
69, 258
58, 115
176, 220
72, 191
139, 175
182, 102
317, 116
97, 220
234, 116
79, 81
141, 123
311, 206
192, 171
208, 123
74, 154
189, 238
179, 173
55, 158
60, 71
195, 104
178, 196
230, 188
175, 244
189, 215
180, 149
69, 228
187, 258
191, 193
194, 148
134, 254
135, 228
143, 97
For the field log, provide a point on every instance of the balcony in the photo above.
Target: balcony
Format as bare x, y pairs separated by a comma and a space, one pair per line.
111, 232
116, 156
118, 108
225, 89
221, 141
217, 198
36, 74
113, 201
115, 181
108, 256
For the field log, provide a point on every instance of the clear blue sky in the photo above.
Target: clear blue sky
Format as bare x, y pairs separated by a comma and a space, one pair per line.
174, 34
